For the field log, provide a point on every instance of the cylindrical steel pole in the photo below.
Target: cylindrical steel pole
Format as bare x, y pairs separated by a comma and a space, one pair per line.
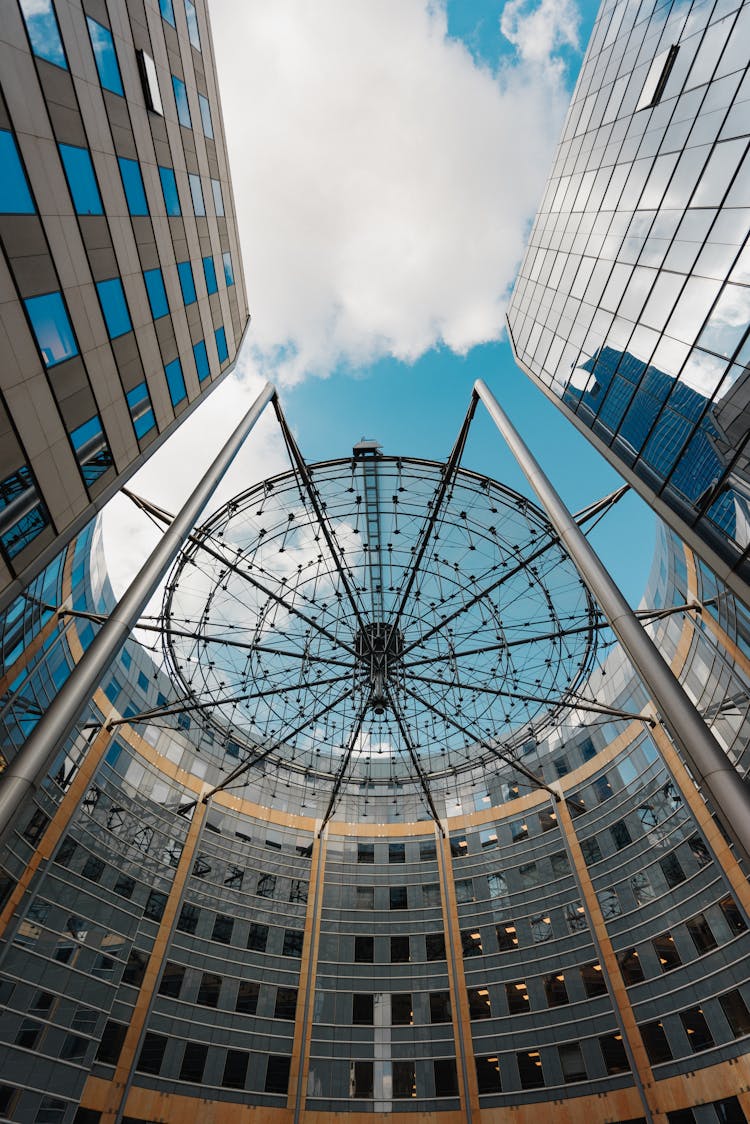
712, 769
31, 764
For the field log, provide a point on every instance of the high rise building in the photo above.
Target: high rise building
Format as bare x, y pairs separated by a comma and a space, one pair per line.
632, 304
123, 300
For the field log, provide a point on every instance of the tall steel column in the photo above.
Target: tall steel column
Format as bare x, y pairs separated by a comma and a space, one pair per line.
30, 766
723, 785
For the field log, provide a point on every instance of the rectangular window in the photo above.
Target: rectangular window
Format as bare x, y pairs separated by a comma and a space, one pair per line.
400, 950
471, 942
593, 980
672, 869
193, 1062
404, 1079
656, 79
247, 997
434, 946
737, 1014
181, 101
235, 1069
365, 897
156, 903
188, 919
364, 950
440, 1007
150, 82
363, 1008
157, 294
571, 1062
732, 915
114, 307
431, 894
361, 1080
196, 193
192, 22
222, 930
169, 191
464, 890
613, 1052
396, 852
293, 939
366, 853
266, 886
175, 382
277, 1075
52, 328
132, 182
21, 521
446, 1077
171, 980
15, 196
696, 1028
630, 966
701, 934
187, 282
402, 1013
656, 1043
620, 834
517, 995
666, 950
105, 56
208, 992
257, 937
152, 1053
479, 1003
286, 1003
397, 894
223, 352
111, 1042
218, 202
209, 272
43, 31
92, 450
488, 1075
228, 271
555, 990
167, 11
530, 1069
507, 937
207, 123
201, 360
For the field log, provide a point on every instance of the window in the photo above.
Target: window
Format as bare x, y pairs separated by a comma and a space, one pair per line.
471, 942
404, 1079
427, 848
228, 270
150, 82
132, 182
431, 894
221, 347
673, 872
366, 853
209, 272
93, 868
541, 928
602, 788
219, 208
257, 937
732, 915
188, 919
114, 307
488, 1075
507, 938
141, 412
360, 1080
105, 56
519, 830
440, 1007
696, 1028
400, 950
157, 294
656, 79
365, 897
530, 1069
74, 1048
187, 283
192, 22
298, 888
155, 905
171, 980
593, 980
206, 122
110, 1043
79, 172
223, 927
665, 949
193, 1062
152, 1053
30, 521
235, 1069
497, 884
247, 997
655, 1041
28, 1034
181, 101
167, 11
50, 1111
92, 451
277, 1075
620, 834
169, 191
15, 197
52, 328
517, 995
479, 1003
435, 946
402, 1013
396, 852
555, 990
591, 851
737, 1014
44, 34
613, 1052
208, 992
196, 192
630, 966
700, 851
363, 1007
446, 1077
286, 1003
529, 875
464, 891
364, 950
700, 933
571, 1062
175, 382
293, 939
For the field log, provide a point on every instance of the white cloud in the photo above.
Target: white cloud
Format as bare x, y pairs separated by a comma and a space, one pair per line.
538, 31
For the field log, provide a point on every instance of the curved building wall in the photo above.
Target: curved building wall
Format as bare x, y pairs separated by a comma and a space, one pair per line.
161, 956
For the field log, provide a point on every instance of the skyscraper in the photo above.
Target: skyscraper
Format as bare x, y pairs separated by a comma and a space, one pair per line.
632, 304
123, 299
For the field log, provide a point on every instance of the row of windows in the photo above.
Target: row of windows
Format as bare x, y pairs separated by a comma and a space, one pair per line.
666, 951
695, 1025
275, 1002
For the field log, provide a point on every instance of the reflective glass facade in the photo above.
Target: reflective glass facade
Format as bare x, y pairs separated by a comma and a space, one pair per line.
632, 303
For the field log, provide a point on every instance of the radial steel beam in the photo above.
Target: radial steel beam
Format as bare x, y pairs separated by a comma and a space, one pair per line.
723, 785
28, 769
415, 763
341, 771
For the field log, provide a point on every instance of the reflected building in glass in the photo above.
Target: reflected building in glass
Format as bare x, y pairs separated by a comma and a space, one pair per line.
123, 300
632, 304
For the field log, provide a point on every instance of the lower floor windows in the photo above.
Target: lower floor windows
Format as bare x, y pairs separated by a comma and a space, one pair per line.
488, 1075
277, 1075
22, 513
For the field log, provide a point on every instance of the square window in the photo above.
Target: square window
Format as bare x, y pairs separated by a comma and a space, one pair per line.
205, 108
613, 1052
223, 927
286, 1003
593, 980
93, 868
157, 294
196, 193
221, 345
366, 853
52, 328
464, 891
257, 937
187, 283
28, 1034
364, 950
43, 31
479, 1003
396, 852
471, 942
169, 191
79, 172
507, 937
440, 1007
209, 272
219, 208
132, 183
363, 1009
400, 950
402, 1013
181, 101
114, 307
105, 56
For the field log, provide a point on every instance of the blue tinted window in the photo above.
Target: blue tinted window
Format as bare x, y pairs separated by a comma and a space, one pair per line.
92, 451
15, 197
228, 271
114, 307
201, 360
105, 57
209, 271
192, 22
79, 170
175, 381
187, 284
52, 328
132, 182
157, 294
221, 344
31, 518
196, 191
141, 412
208, 127
41, 24
218, 197
167, 11
169, 188
181, 98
